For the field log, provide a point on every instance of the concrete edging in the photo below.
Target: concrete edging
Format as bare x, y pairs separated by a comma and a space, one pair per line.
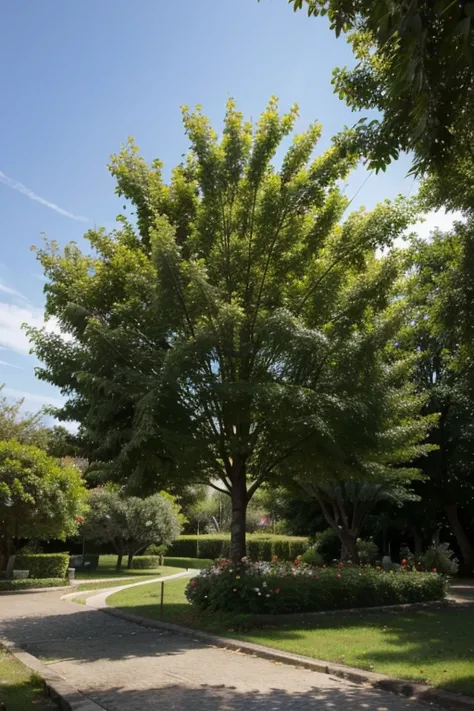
66, 696
419, 692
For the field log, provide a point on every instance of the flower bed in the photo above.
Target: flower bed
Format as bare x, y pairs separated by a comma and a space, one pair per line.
282, 588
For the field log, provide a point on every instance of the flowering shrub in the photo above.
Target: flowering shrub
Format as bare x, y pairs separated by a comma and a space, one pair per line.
278, 587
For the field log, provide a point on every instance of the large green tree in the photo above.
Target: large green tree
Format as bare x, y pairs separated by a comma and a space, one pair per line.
40, 497
414, 64
441, 331
232, 323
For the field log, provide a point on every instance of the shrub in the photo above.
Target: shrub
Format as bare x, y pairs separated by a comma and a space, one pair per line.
259, 546
156, 550
44, 565
368, 551
188, 562
6, 585
312, 557
279, 588
328, 545
440, 558
88, 562
141, 562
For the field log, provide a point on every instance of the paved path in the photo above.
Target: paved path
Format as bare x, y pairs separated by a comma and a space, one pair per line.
126, 667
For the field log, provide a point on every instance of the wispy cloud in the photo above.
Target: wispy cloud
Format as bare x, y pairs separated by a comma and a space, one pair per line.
32, 398
10, 291
19, 187
11, 365
12, 335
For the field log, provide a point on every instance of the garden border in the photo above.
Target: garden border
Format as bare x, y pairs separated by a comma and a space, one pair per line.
66, 696
419, 692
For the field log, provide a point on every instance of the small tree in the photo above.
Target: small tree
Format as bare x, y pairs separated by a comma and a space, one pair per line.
130, 524
40, 497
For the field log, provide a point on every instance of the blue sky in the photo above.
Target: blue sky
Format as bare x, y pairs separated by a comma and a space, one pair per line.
80, 77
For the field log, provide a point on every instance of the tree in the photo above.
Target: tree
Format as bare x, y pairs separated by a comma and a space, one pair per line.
441, 331
27, 428
40, 497
131, 524
414, 65
234, 325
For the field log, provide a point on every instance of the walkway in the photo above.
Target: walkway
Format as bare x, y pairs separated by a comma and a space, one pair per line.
126, 667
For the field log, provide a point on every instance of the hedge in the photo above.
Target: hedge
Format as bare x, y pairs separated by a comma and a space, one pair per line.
146, 561
193, 563
43, 565
259, 546
27, 584
252, 591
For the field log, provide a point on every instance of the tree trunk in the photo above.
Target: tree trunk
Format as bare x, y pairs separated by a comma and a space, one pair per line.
417, 541
349, 541
118, 567
465, 545
239, 514
130, 560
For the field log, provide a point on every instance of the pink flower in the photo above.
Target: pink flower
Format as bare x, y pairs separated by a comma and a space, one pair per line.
277, 590
435, 570
193, 583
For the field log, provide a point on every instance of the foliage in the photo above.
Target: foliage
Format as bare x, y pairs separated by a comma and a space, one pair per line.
26, 428
277, 588
146, 562
187, 562
440, 330
261, 547
30, 583
440, 558
44, 565
130, 523
368, 551
156, 550
40, 497
328, 545
238, 323
414, 65
312, 557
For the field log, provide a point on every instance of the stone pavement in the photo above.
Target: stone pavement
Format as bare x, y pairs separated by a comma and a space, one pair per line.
126, 667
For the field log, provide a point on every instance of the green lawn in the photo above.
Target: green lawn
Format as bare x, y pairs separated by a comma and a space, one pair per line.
106, 569
433, 647
20, 689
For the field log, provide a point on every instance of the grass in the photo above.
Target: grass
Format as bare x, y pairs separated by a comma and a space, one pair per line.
20, 689
434, 647
107, 565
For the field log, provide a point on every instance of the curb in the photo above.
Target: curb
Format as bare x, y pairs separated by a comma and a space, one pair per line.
35, 590
66, 696
417, 692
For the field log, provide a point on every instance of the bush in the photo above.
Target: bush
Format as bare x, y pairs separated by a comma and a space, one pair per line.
29, 583
328, 545
156, 550
259, 546
440, 558
312, 557
44, 565
278, 588
188, 562
88, 562
368, 551
148, 562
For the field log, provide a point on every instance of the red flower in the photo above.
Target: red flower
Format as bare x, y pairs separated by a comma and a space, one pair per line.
340, 565
79, 519
277, 590
404, 563
193, 583
274, 558
435, 570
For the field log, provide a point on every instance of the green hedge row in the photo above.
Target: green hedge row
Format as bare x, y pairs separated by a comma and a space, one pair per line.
192, 563
259, 547
28, 583
142, 562
44, 565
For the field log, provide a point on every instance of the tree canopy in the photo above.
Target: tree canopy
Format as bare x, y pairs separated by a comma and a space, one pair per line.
414, 64
236, 322
40, 497
130, 523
